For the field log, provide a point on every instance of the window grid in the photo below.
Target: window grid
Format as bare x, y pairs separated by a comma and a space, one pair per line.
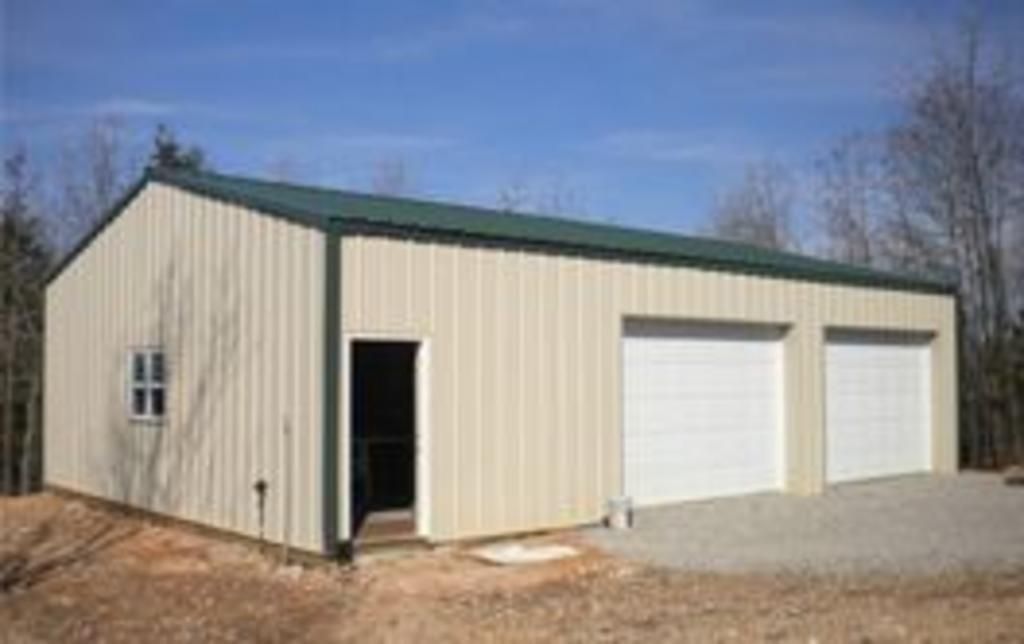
147, 399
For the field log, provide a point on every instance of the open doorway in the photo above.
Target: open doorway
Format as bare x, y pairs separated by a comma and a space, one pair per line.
383, 425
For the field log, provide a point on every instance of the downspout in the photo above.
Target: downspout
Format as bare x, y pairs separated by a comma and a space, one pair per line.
331, 386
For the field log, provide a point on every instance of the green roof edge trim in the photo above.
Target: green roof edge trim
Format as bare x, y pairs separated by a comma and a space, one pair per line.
875, 280
527, 231
353, 213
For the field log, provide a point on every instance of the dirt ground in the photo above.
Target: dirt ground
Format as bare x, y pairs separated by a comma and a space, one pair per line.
70, 572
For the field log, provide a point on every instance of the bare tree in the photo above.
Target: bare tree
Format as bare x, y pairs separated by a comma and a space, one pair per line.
849, 197
1015, 265
282, 168
93, 171
515, 196
392, 177
553, 197
560, 198
759, 210
958, 166
942, 194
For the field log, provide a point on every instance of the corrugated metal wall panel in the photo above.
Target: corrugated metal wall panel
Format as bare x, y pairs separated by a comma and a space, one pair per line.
235, 299
526, 412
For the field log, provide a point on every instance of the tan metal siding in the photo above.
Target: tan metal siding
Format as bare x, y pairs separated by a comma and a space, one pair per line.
236, 300
525, 367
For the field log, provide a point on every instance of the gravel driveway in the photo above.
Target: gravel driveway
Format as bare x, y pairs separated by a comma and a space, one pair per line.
915, 525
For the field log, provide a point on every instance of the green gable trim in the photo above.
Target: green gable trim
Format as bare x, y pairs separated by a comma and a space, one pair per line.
209, 185
108, 218
191, 182
373, 214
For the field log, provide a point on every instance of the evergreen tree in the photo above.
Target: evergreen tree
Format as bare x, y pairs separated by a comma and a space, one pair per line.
169, 154
25, 258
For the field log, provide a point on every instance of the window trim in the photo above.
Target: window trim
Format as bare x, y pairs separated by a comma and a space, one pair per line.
147, 385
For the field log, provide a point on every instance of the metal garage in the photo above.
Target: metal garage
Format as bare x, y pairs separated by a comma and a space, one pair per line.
549, 366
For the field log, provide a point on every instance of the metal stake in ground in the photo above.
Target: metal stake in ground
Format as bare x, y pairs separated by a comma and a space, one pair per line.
260, 487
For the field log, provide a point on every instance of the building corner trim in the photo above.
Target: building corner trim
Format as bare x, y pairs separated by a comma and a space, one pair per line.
331, 384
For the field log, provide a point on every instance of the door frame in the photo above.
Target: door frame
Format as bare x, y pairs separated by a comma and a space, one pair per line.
422, 502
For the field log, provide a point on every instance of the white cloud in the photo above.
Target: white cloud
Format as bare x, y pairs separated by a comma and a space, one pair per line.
806, 51
834, 56
384, 142
115, 106
669, 146
426, 42
129, 107
120, 107
420, 43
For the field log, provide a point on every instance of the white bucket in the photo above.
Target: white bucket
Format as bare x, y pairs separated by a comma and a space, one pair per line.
620, 513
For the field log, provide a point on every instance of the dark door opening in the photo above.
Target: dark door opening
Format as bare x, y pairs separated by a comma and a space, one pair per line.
383, 425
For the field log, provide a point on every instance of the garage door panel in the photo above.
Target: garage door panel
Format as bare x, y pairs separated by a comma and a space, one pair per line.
878, 399
725, 421
702, 407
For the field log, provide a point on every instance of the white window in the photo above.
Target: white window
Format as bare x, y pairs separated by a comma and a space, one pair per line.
147, 392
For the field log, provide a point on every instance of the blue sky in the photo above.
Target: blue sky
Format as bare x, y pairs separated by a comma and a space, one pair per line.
644, 110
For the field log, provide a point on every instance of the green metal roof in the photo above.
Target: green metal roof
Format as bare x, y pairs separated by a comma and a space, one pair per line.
346, 211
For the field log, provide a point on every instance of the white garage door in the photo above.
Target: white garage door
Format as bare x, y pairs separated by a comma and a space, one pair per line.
702, 410
878, 405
